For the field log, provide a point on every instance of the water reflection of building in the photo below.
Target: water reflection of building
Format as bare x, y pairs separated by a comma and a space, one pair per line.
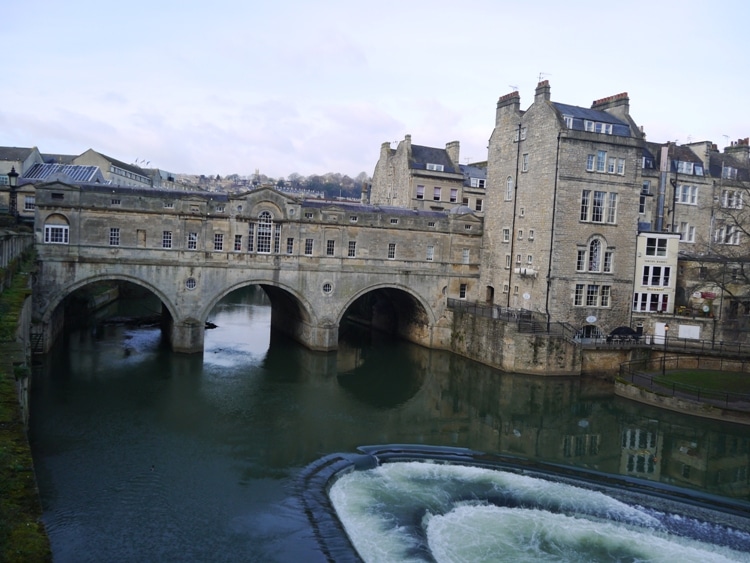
708, 460
641, 448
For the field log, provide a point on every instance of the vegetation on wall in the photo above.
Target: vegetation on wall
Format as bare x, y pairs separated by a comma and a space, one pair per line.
22, 535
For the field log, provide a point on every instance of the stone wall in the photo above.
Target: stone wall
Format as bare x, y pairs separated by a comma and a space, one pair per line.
500, 345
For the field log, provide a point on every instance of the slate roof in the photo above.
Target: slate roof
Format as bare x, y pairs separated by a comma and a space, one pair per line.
58, 158
421, 155
14, 153
619, 127
367, 208
473, 171
718, 161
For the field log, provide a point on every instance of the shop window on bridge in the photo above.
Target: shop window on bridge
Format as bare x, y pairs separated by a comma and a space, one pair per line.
56, 230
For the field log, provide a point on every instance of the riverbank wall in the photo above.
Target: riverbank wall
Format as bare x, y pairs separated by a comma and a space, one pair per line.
22, 534
501, 345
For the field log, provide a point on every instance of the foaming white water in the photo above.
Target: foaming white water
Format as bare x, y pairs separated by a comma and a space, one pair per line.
416, 511
493, 533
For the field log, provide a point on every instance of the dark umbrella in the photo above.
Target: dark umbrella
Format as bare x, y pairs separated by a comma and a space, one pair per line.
622, 332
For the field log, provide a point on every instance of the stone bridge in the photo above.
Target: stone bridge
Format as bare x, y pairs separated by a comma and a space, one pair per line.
318, 261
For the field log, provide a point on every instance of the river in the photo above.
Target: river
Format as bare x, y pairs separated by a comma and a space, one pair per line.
145, 455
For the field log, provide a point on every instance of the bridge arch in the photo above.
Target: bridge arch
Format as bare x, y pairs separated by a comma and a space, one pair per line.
306, 310
409, 315
291, 313
57, 298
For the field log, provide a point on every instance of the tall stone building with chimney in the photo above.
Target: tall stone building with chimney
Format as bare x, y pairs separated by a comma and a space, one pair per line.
561, 220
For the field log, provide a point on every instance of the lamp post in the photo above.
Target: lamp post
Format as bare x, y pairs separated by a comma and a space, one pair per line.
13, 197
664, 355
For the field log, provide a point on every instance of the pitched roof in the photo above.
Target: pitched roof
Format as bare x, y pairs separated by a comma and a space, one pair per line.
15, 153
69, 173
421, 156
580, 115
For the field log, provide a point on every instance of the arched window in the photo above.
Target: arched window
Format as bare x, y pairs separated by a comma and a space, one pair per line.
56, 230
265, 228
595, 255
509, 188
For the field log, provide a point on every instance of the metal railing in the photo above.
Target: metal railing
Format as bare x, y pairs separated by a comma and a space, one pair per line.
649, 374
534, 322
527, 321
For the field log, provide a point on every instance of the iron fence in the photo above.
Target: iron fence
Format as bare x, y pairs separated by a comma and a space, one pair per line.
527, 321
650, 374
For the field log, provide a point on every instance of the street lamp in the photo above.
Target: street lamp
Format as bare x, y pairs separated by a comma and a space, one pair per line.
664, 355
13, 197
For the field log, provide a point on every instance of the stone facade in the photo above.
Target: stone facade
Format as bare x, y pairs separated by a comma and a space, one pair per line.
561, 217
420, 177
314, 258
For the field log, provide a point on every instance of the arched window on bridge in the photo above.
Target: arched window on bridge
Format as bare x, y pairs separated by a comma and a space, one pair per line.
56, 230
265, 230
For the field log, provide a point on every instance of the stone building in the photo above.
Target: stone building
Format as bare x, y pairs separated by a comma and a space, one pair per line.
561, 219
115, 171
418, 177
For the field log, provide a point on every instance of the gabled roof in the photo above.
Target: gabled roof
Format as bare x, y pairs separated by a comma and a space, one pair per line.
421, 156
120, 164
579, 115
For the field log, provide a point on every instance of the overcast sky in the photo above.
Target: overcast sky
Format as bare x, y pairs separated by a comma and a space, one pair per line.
315, 86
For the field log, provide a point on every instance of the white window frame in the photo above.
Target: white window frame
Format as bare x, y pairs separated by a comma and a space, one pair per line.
687, 194
56, 234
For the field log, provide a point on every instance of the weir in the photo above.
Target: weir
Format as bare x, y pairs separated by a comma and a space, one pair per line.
444, 504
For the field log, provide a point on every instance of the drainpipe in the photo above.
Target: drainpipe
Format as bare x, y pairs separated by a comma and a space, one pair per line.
552, 230
513, 220
663, 170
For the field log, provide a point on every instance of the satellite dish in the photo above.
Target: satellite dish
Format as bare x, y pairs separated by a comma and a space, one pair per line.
526, 296
591, 319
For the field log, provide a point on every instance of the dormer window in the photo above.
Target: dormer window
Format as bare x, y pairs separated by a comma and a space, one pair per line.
568, 121
597, 127
729, 173
477, 182
435, 167
684, 167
